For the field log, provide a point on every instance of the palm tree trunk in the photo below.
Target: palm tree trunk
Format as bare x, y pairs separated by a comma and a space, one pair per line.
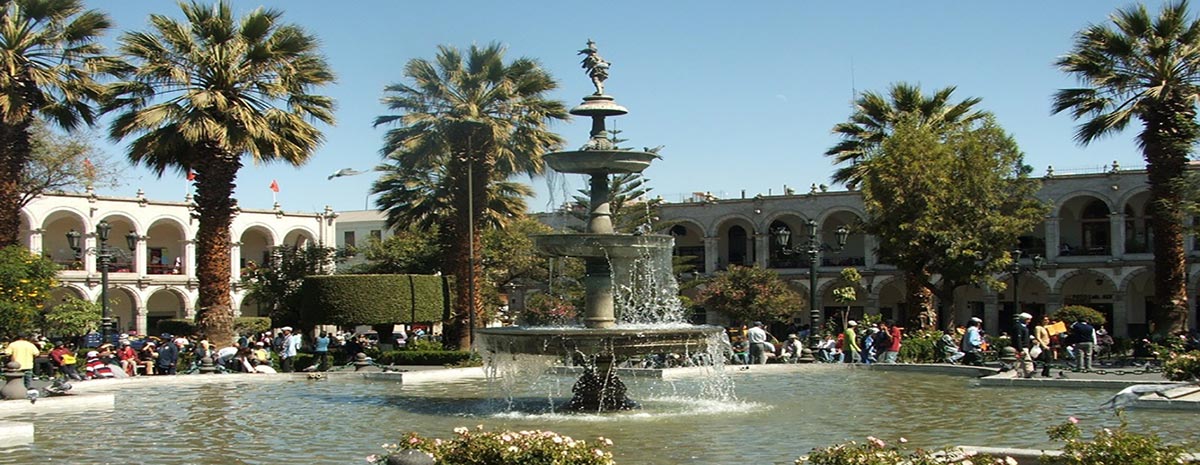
215, 175
1170, 131
13, 155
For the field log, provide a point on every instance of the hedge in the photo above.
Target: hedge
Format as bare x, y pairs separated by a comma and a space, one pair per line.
186, 327
423, 357
251, 324
1073, 313
374, 299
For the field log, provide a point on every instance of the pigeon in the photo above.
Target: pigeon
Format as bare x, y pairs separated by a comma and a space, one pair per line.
1062, 375
32, 395
653, 150
1131, 394
344, 172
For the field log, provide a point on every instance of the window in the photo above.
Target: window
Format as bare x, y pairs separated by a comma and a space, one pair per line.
348, 239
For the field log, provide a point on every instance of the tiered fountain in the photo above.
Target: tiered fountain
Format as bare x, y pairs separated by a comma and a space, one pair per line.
604, 340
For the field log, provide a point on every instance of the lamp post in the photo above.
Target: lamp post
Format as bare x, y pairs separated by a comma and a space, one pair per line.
813, 248
105, 254
1017, 269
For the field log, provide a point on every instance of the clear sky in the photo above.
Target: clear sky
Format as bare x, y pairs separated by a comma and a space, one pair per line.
742, 94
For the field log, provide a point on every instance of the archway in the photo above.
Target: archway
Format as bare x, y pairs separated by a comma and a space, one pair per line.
1138, 290
164, 304
256, 247
689, 245
122, 305
737, 244
1090, 289
165, 247
1139, 232
796, 229
298, 238
855, 251
1084, 227
54, 238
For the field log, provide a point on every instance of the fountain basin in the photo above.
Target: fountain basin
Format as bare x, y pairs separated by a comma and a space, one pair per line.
599, 161
600, 245
618, 342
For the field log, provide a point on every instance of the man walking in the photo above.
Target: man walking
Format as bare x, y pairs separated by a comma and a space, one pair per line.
1020, 341
22, 351
850, 347
757, 337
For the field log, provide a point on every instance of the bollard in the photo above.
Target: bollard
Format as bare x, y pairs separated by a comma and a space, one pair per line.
14, 385
207, 366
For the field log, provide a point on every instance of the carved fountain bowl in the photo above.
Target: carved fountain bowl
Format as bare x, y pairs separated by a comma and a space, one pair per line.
599, 161
590, 245
619, 342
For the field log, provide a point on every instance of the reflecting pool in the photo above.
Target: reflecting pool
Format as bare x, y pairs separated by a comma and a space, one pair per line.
776, 417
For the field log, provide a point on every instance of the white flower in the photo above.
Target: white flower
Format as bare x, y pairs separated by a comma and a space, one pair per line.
598, 452
1010, 461
372, 458
607, 442
460, 430
512, 448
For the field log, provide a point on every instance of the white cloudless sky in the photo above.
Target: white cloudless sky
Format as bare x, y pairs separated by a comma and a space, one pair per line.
742, 94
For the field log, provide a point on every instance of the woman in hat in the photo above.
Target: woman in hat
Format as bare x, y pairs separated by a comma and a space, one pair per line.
128, 358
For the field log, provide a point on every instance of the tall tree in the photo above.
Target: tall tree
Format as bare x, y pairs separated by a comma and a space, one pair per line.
49, 63
64, 161
1145, 67
470, 114
875, 117
949, 202
207, 92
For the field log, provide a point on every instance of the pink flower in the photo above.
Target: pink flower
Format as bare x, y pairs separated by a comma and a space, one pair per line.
413, 440
1073, 420
372, 458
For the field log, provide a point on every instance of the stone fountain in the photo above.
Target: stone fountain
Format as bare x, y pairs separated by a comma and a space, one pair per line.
604, 340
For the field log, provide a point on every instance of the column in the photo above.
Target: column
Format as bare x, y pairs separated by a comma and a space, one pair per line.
1053, 302
139, 256
762, 249
711, 251
35, 241
1116, 226
1120, 322
139, 319
189, 258
89, 253
235, 260
1052, 241
869, 257
872, 307
991, 313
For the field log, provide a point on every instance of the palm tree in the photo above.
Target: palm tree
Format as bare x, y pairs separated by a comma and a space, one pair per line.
875, 116
49, 62
1146, 68
477, 115
206, 93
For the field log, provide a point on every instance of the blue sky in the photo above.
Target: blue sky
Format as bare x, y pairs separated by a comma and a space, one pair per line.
742, 94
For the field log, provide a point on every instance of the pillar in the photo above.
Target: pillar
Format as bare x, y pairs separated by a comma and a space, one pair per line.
1052, 241
991, 313
1116, 226
35, 241
1120, 322
139, 319
1054, 302
762, 249
139, 256
711, 253
189, 258
869, 257
89, 256
235, 261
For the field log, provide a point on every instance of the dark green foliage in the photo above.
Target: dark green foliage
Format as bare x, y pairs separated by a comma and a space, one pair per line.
628, 203
176, 326
750, 293
251, 324
921, 347
1073, 313
71, 317
372, 299
410, 250
423, 357
277, 285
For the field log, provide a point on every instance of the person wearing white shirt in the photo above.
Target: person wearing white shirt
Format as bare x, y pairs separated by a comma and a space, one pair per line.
757, 337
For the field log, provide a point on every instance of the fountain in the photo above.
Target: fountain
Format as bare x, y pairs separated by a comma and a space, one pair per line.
604, 339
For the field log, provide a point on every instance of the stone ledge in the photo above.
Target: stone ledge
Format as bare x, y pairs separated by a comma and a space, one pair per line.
13, 433
935, 368
1034, 456
67, 403
1008, 380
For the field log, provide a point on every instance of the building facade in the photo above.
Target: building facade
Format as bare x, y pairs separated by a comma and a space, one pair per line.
152, 275
1095, 244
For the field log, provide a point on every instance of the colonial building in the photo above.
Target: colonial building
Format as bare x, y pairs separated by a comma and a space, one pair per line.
153, 267
1094, 242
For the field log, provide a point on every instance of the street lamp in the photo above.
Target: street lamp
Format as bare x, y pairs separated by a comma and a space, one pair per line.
1017, 269
813, 248
105, 254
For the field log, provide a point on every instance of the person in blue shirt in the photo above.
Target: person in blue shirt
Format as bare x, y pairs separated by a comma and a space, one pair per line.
321, 349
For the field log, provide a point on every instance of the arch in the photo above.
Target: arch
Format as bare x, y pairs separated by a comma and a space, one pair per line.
884, 281
170, 219
55, 214
60, 293
825, 215
1138, 272
299, 236
123, 302
1058, 285
783, 216
54, 227
271, 235
256, 245
165, 246
715, 230
166, 302
1128, 195
854, 253
688, 223
104, 216
1062, 202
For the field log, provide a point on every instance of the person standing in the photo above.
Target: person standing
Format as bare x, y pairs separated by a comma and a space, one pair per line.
850, 349
321, 350
1083, 335
1041, 337
168, 356
891, 353
972, 343
291, 347
1021, 341
757, 337
23, 352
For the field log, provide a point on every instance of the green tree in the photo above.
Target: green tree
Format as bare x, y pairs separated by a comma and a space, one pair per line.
206, 93
408, 250
25, 283
750, 293
1145, 67
277, 284
949, 201
475, 115
64, 161
875, 117
628, 203
49, 62
72, 317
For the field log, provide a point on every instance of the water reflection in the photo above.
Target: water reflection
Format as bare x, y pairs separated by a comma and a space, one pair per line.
776, 418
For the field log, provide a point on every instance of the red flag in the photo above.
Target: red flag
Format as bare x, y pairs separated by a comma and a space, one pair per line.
274, 186
191, 175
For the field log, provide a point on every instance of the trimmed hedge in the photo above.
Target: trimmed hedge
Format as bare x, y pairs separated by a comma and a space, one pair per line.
367, 299
251, 324
423, 357
241, 325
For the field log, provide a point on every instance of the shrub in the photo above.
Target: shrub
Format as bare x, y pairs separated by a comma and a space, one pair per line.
177, 326
1111, 446
71, 317
1073, 313
423, 357
251, 324
750, 293
349, 300
423, 344
1182, 367
877, 452
547, 310
25, 283
921, 347
503, 448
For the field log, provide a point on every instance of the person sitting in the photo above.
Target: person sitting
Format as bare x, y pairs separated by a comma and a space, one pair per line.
949, 348
792, 349
147, 356
128, 358
96, 368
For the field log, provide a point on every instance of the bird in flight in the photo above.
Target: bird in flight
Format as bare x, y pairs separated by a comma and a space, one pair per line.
1131, 394
344, 172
